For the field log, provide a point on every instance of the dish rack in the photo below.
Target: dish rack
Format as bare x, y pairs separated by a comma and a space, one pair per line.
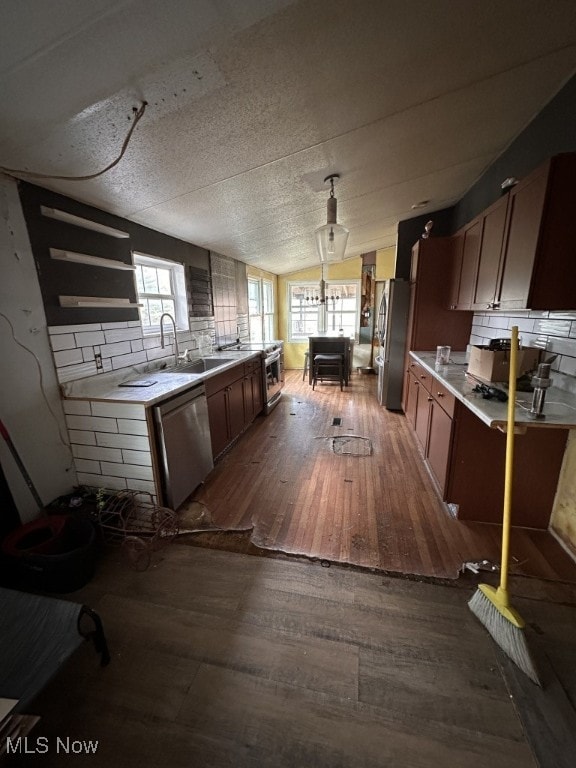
132, 520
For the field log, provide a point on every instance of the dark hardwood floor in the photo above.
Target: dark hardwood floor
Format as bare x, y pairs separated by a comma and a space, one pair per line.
222, 659
284, 482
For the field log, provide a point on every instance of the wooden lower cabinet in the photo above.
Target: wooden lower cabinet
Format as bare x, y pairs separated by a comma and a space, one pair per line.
439, 443
218, 418
466, 458
253, 392
235, 398
422, 422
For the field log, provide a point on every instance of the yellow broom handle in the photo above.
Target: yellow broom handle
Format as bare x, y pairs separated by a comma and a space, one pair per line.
509, 472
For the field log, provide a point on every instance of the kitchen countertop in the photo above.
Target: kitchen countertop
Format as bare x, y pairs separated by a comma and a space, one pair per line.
559, 405
105, 386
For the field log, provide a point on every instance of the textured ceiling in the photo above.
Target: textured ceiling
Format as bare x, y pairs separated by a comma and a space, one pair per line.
251, 104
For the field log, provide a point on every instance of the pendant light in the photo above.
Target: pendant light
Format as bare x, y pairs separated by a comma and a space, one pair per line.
331, 238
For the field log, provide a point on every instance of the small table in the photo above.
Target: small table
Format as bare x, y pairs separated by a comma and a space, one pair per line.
330, 344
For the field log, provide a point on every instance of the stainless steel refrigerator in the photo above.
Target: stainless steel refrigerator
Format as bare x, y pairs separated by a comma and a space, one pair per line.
392, 329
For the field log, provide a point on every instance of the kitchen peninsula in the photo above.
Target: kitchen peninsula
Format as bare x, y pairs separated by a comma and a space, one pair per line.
461, 436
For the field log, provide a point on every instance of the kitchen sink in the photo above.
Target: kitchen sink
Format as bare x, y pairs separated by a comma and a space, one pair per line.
201, 365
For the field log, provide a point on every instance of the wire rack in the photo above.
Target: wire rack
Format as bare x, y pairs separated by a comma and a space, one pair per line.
132, 520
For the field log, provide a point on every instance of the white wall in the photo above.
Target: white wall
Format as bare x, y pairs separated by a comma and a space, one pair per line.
30, 404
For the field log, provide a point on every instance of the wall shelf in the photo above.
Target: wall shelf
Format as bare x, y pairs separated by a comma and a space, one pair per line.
84, 302
78, 221
86, 258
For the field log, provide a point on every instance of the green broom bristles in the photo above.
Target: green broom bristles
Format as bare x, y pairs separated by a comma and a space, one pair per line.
510, 638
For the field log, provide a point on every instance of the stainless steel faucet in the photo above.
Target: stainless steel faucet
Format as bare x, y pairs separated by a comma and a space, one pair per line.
162, 344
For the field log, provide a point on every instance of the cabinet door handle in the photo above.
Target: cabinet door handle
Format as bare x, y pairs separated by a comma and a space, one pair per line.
430, 399
440, 394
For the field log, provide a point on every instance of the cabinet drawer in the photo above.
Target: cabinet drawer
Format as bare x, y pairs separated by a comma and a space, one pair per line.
420, 374
443, 397
215, 383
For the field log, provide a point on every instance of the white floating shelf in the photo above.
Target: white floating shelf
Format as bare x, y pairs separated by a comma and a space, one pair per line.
86, 258
69, 218
96, 302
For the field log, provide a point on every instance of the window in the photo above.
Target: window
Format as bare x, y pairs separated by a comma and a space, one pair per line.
261, 309
307, 315
161, 287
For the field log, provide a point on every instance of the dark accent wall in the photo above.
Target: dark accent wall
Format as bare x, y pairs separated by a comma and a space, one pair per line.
552, 132
410, 230
58, 278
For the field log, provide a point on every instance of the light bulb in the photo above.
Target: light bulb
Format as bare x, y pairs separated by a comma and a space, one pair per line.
330, 246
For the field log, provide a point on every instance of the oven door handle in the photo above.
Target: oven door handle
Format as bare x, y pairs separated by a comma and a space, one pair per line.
272, 358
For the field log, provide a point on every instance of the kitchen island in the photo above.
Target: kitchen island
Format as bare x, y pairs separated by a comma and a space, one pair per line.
461, 436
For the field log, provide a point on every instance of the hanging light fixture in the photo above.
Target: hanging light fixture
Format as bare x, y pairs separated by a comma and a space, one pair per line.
331, 238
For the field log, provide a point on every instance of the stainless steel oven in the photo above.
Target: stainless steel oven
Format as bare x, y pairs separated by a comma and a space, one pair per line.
273, 378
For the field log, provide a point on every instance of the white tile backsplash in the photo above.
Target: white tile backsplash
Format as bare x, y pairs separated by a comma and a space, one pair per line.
97, 453
68, 357
122, 334
118, 410
81, 437
117, 348
113, 326
553, 332
102, 481
56, 329
62, 341
79, 371
134, 442
137, 457
136, 471
86, 465
121, 345
132, 427
126, 361
107, 453
77, 407
89, 338
92, 423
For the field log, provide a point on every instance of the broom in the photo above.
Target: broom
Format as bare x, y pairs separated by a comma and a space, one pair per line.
490, 605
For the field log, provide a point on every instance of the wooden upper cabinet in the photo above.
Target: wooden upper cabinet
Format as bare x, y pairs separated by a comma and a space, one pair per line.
523, 245
487, 287
525, 221
467, 252
539, 259
430, 320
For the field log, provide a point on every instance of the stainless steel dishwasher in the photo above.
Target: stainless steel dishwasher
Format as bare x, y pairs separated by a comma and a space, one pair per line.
183, 435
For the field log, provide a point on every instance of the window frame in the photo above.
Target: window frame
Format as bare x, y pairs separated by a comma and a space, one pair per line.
323, 312
178, 295
264, 320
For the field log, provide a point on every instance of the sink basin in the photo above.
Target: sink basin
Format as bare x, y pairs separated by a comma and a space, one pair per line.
201, 365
